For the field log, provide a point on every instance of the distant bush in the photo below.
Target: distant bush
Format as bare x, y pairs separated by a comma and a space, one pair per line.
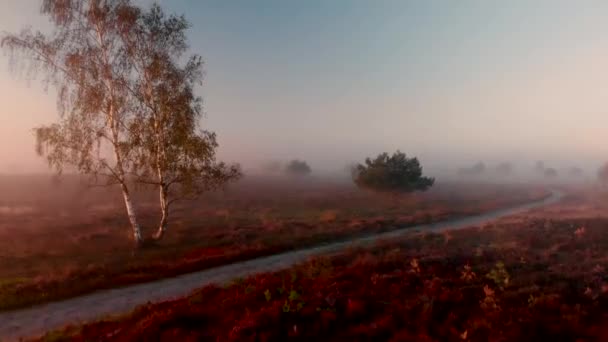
394, 174
298, 168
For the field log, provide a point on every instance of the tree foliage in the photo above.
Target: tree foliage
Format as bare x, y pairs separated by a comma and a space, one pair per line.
86, 60
298, 168
393, 174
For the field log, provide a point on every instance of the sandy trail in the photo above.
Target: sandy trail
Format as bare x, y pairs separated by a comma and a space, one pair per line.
39, 319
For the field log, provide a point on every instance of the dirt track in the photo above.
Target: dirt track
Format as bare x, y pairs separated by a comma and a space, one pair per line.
36, 320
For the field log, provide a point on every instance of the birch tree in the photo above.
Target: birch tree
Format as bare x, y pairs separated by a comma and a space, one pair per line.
173, 152
86, 60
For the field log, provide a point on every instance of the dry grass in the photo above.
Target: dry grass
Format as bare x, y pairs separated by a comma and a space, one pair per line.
62, 239
533, 277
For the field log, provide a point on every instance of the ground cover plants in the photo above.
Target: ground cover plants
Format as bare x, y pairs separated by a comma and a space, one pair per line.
539, 276
48, 253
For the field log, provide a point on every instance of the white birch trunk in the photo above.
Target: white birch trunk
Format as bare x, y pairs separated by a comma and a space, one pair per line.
136, 230
164, 208
163, 187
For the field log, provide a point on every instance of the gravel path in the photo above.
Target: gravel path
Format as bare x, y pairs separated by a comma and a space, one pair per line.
39, 319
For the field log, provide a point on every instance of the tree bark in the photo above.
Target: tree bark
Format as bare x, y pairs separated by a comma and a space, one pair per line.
163, 186
136, 230
164, 208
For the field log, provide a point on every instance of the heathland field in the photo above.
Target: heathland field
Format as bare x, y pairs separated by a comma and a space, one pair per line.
61, 239
537, 276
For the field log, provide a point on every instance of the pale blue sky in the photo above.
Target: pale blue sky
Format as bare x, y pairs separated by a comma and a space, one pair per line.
334, 81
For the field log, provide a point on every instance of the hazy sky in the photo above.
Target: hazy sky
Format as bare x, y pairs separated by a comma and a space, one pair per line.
334, 81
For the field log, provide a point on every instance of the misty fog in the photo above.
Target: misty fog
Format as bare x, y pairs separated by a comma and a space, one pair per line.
507, 92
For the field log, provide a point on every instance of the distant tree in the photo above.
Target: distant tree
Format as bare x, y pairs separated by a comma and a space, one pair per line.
298, 168
504, 169
550, 173
602, 174
391, 174
85, 58
474, 170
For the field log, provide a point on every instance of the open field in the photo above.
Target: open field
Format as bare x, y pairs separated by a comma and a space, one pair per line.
39, 319
58, 240
540, 276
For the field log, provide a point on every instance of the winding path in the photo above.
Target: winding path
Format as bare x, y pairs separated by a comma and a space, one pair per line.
39, 319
